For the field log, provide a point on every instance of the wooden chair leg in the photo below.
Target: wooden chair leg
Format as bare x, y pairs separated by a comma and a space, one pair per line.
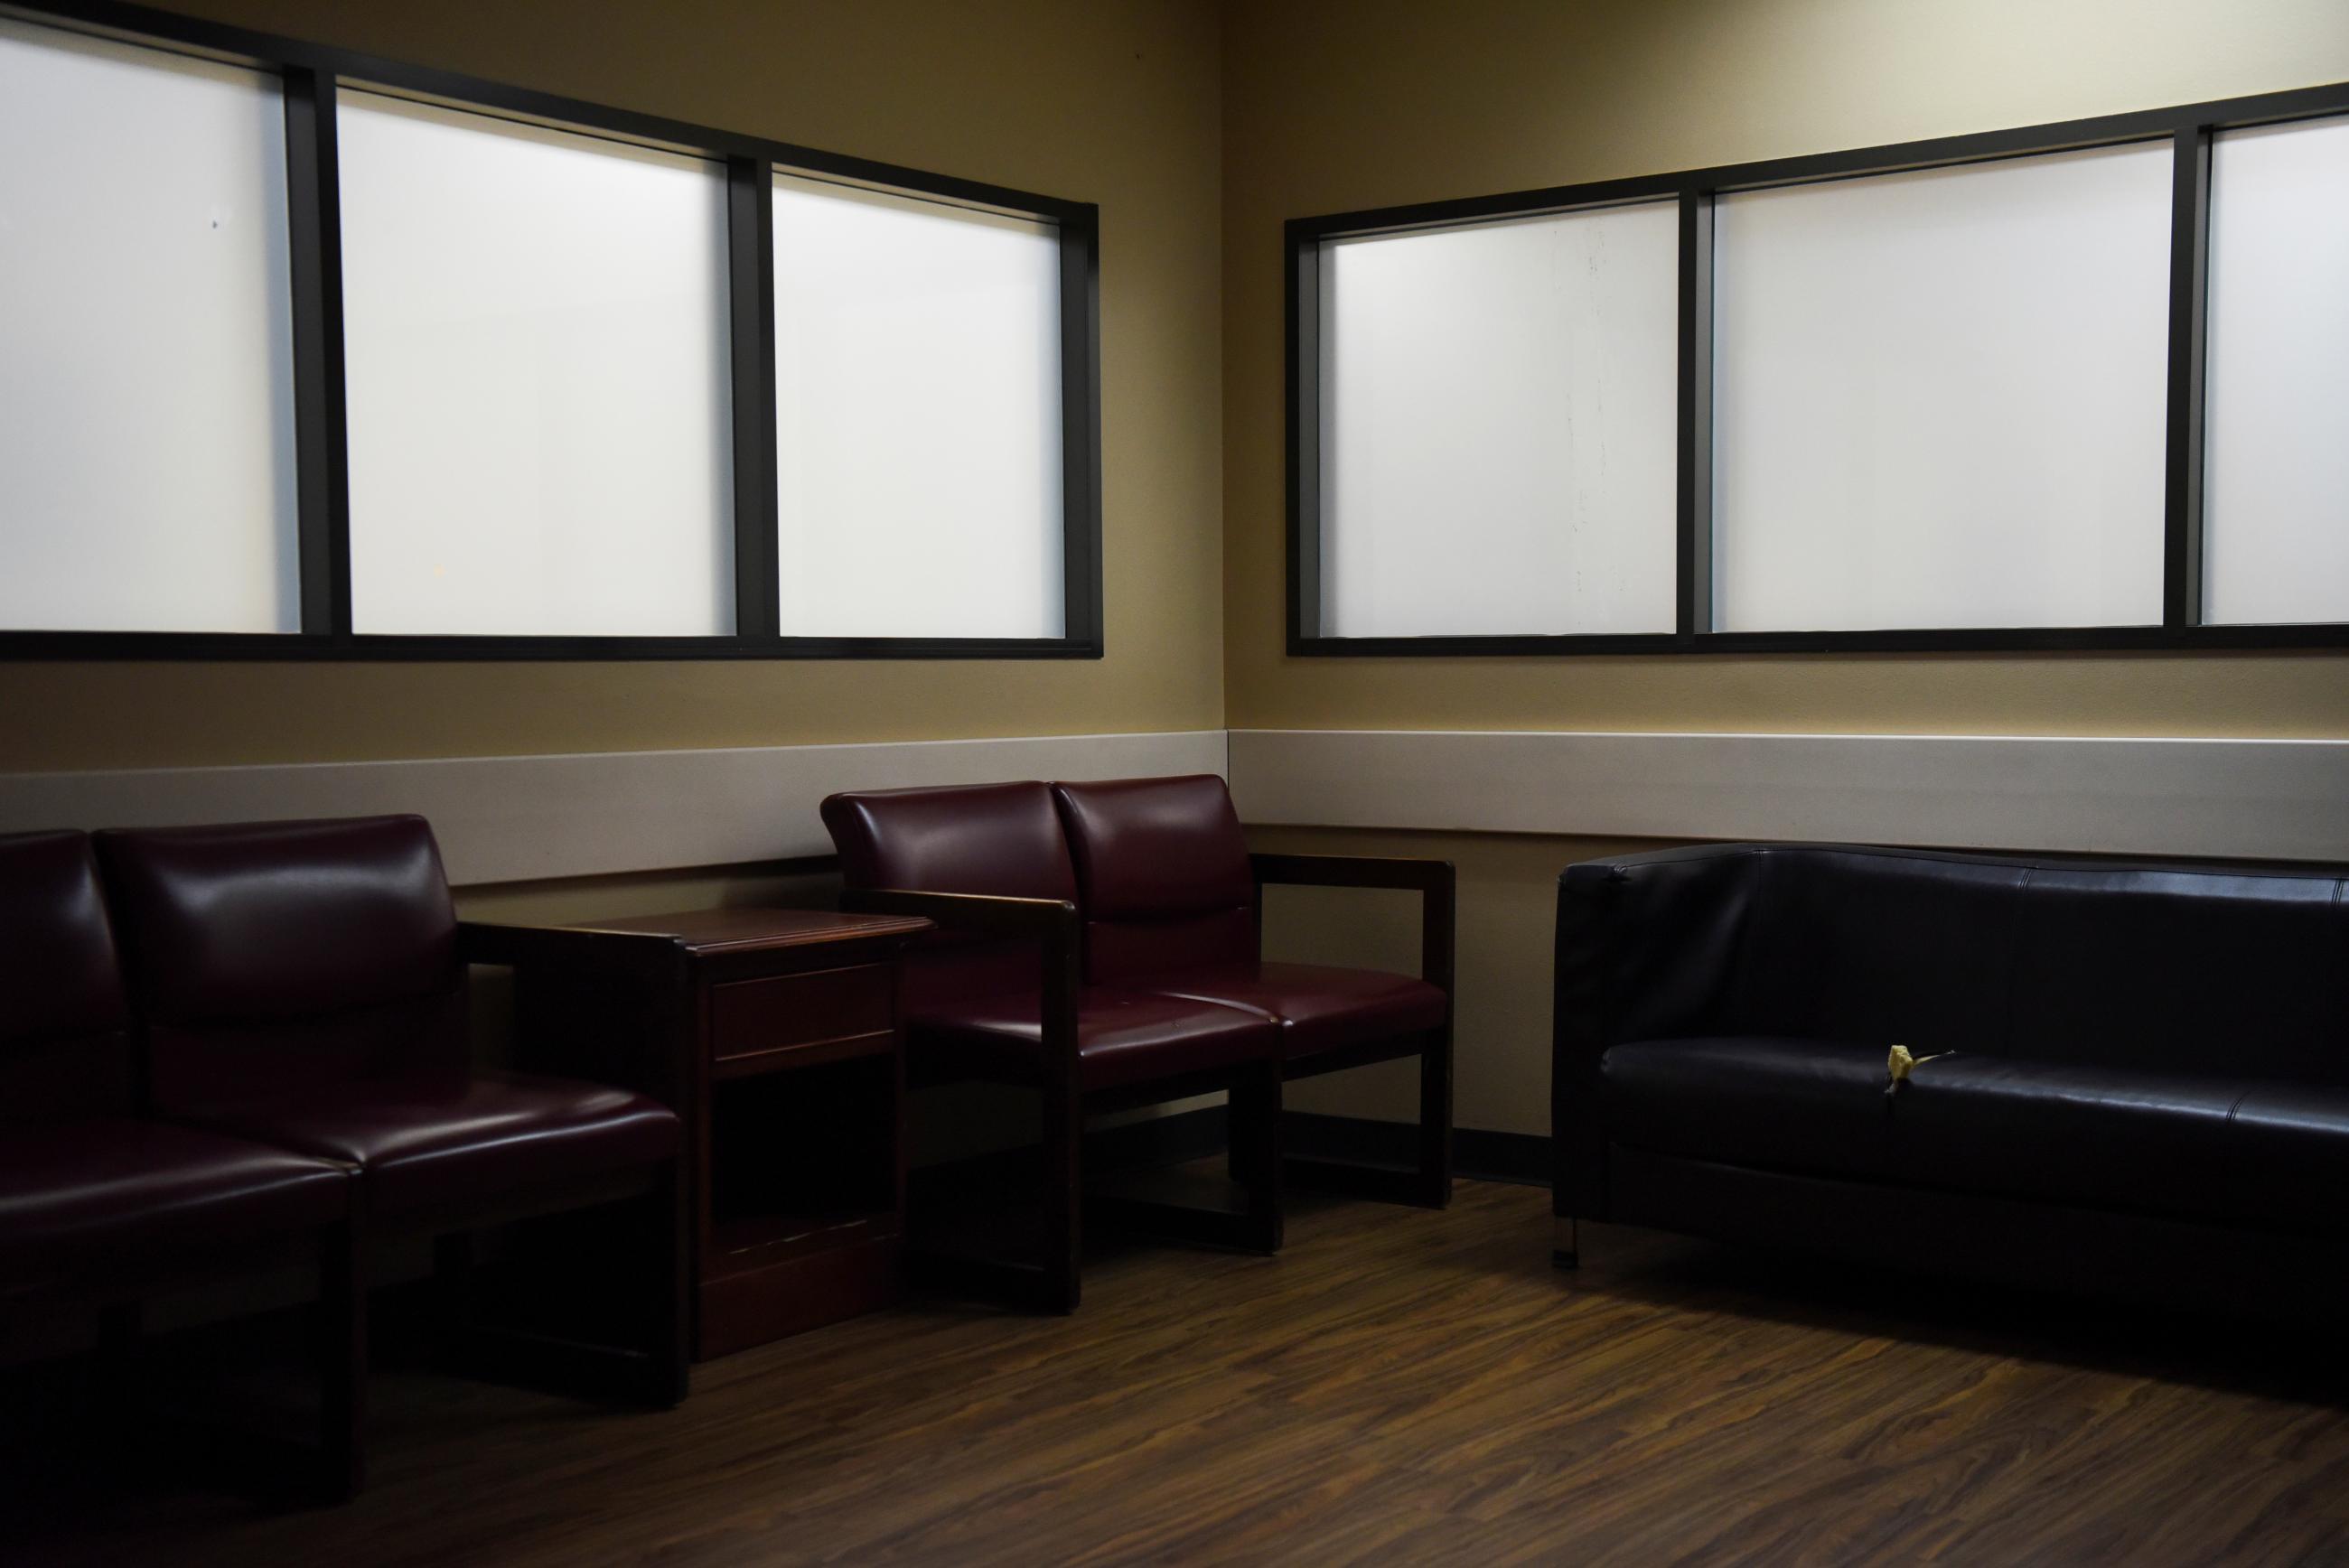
1254, 1152
672, 1345
1064, 1137
1435, 1122
342, 1363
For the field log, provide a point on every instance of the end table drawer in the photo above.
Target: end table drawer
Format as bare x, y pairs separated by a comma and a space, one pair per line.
761, 1018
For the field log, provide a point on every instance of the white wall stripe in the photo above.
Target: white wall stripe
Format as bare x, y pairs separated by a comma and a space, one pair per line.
2285, 799
520, 818
516, 819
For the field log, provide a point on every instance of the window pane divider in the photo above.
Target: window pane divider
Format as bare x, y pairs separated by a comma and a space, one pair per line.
313, 189
1694, 523
1080, 469
2189, 280
750, 277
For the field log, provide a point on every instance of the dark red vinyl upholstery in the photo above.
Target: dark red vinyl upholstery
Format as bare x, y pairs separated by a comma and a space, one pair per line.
1123, 1037
65, 1022
1002, 840
81, 1177
439, 1140
1164, 874
119, 1192
302, 987
983, 1005
269, 957
1319, 1007
1170, 906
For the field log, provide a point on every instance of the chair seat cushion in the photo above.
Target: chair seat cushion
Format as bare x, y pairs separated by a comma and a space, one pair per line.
436, 1139
2141, 1141
1123, 1037
136, 1188
1317, 1007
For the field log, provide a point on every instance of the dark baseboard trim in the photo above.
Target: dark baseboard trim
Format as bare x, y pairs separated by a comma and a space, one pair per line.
1480, 1155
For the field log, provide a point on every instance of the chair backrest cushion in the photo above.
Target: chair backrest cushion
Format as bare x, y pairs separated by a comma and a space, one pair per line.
1000, 839
64, 1018
1164, 874
268, 954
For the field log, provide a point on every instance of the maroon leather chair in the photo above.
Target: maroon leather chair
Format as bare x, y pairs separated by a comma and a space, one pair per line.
1172, 902
302, 985
1002, 998
99, 1207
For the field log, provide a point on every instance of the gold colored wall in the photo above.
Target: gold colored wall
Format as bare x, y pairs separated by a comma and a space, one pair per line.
1334, 105
1112, 101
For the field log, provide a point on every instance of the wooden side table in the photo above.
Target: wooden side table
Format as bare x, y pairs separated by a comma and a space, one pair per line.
773, 1034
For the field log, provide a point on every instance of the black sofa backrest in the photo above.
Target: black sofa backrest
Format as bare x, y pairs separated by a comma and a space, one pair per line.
2196, 968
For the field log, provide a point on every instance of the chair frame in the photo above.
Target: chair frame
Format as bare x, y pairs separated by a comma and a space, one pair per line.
1429, 1185
115, 1289
1052, 1283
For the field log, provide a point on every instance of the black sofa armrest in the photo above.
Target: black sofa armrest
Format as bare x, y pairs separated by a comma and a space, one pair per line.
1645, 947
1434, 880
1049, 923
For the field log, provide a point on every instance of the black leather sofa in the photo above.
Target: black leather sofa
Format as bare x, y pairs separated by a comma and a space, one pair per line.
2150, 1092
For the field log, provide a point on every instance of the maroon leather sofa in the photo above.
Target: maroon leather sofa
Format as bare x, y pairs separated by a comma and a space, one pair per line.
1101, 945
100, 1206
296, 996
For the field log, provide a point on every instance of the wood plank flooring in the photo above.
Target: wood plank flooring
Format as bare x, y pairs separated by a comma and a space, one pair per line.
1397, 1387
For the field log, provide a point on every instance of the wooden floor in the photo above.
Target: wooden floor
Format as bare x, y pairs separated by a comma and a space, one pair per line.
1399, 1386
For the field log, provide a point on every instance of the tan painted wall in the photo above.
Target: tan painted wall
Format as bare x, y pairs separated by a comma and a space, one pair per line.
1112, 101
1332, 105
1507, 914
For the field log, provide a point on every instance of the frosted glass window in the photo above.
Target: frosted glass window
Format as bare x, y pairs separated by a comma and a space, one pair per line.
1498, 408
535, 332
146, 343
917, 418
2276, 523
1940, 397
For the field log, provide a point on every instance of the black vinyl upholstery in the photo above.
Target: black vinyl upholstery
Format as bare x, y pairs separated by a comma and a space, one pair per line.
2169, 1042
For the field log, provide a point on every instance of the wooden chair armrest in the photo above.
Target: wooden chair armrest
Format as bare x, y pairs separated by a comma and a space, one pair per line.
978, 915
1434, 880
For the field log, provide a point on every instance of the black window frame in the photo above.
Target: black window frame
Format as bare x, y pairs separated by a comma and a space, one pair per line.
312, 74
2188, 128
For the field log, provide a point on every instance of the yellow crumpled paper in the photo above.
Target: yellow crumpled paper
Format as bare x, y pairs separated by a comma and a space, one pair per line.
1900, 1063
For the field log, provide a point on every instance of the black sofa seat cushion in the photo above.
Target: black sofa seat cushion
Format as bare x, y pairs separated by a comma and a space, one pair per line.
76, 1191
2288, 1160
435, 1139
2129, 1140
